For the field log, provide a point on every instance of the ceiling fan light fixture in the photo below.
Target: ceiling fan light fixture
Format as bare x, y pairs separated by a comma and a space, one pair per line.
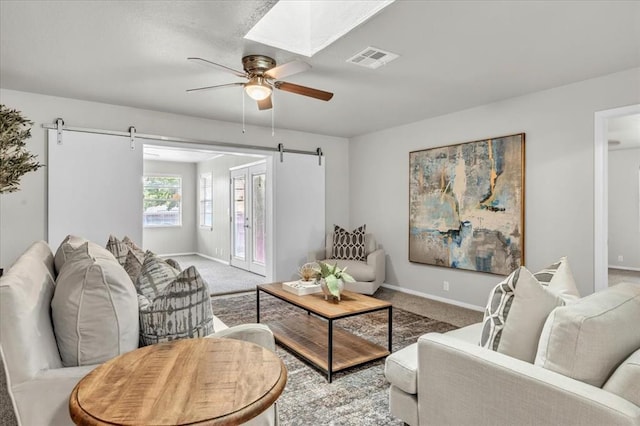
257, 89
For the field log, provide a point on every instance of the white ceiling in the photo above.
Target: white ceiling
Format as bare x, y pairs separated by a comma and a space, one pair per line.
453, 55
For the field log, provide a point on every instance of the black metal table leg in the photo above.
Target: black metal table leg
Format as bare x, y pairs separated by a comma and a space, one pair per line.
258, 303
330, 350
389, 332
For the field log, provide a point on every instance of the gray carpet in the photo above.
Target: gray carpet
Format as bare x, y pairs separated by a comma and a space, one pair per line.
221, 278
357, 396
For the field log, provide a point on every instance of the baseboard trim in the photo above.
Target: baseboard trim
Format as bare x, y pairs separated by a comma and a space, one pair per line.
624, 268
177, 254
432, 297
212, 258
195, 254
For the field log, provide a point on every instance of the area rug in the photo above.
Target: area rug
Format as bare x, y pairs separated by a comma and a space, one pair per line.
357, 396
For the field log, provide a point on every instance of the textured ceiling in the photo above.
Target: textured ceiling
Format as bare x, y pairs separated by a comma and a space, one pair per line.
453, 55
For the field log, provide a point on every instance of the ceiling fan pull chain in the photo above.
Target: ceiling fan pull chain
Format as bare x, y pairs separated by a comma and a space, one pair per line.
242, 92
273, 109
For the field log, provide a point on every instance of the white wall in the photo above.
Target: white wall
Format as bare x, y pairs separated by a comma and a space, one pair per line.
215, 242
624, 208
23, 213
559, 127
174, 239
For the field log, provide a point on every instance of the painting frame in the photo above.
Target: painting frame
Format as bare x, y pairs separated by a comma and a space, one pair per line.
467, 205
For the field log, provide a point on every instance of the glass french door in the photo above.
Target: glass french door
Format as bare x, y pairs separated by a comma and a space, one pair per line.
248, 217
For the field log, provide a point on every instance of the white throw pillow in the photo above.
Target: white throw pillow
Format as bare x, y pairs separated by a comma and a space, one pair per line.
94, 310
588, 339
71, 243
519, 305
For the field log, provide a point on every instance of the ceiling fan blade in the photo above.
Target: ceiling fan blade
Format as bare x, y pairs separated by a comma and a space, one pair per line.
265, 103
302, 90
290, 68
218, 66
219, 86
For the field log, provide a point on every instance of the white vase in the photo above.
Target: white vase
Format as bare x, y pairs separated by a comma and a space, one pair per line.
327, 293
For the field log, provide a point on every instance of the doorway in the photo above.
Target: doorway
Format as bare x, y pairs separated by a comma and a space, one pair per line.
248, 191
601, 192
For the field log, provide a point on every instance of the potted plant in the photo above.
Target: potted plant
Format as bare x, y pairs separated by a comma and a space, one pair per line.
332, 279
15, 160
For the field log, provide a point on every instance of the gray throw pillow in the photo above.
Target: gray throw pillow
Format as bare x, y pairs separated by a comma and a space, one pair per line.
118, 248
154, 276
181, 310
133, 265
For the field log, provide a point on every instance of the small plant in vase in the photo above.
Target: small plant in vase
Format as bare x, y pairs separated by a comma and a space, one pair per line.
332, 279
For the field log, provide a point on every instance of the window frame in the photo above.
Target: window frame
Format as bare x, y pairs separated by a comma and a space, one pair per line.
201, 201
180, 202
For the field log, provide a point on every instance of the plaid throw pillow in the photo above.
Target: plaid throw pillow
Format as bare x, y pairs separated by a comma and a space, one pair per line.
118, 248
154, 276
182, 310
348, 245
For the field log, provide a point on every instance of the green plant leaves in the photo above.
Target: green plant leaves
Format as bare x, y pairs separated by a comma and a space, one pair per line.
15, 160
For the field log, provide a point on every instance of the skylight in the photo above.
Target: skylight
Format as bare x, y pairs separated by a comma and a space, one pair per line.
308, 26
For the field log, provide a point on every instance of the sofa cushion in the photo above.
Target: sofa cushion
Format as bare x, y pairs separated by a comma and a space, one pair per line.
625, 381
349, 245
401, 368
118, 248
71, 243
360, 271
519, 306
588, 339
154, 276
182, 309
94, 310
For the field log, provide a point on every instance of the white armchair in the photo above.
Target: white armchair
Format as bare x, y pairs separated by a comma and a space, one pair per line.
369, 275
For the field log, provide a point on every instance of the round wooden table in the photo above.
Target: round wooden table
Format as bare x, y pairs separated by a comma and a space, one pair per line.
191, 381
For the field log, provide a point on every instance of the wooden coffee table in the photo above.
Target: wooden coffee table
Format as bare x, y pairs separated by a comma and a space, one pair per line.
191, 381
314, 337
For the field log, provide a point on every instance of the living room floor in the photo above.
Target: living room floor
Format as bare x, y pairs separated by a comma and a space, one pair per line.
616, 276
440, 311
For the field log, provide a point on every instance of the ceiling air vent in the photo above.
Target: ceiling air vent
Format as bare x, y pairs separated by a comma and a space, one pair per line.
372, 58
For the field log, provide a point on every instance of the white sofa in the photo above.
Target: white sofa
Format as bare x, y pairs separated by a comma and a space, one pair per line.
38, 385
368, 275
448, 379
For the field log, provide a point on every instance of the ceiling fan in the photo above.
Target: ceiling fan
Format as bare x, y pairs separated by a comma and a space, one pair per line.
263, 76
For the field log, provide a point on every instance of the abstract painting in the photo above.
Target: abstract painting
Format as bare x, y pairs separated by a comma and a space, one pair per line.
466, 205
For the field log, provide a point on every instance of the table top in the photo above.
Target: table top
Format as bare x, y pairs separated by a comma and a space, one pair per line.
350, 303
190, 381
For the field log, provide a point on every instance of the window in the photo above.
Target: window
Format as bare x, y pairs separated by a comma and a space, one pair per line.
162, 201
206, 200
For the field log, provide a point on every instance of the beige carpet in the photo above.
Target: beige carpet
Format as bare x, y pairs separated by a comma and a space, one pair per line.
440, 311
617, 276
